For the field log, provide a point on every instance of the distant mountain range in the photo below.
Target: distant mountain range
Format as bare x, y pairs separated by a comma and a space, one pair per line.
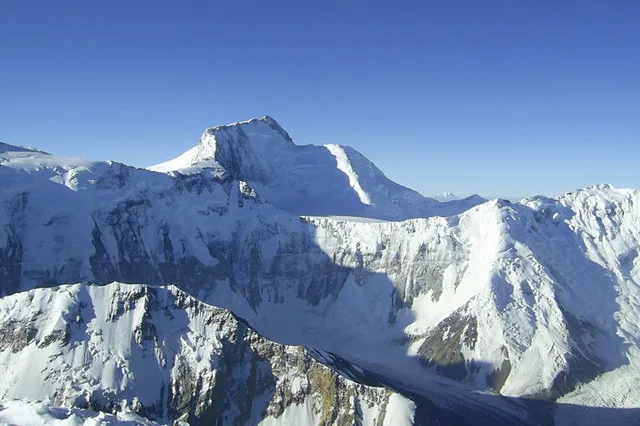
255, 281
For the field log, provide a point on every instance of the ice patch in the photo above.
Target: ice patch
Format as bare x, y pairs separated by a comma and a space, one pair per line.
345, 167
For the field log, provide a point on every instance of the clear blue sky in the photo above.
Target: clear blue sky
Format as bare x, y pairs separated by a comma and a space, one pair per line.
502, 98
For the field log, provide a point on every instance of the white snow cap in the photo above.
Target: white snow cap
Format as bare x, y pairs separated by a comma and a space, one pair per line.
319, 180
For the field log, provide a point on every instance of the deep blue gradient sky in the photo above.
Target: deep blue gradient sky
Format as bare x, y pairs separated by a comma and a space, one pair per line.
502, 98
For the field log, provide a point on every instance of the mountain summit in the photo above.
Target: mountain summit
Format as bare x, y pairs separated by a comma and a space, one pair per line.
316, 180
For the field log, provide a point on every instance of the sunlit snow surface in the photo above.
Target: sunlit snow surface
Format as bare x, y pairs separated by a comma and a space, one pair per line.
32, 413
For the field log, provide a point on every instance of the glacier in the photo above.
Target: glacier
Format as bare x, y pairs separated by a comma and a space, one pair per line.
509, 313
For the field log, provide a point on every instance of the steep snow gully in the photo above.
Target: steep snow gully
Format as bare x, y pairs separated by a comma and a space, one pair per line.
462, 312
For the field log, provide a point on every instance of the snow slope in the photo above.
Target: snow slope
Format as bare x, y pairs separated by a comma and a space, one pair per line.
36, 413
305, 179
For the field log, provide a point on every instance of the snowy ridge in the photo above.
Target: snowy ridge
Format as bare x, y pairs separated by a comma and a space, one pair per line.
255, 139
445, 196
6, 147
345, 167
25, 168
304, 179
32, 413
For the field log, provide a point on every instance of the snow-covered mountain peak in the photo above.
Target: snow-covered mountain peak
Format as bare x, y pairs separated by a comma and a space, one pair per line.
445, 196
304, 179
232, 149
5, 147
264, 125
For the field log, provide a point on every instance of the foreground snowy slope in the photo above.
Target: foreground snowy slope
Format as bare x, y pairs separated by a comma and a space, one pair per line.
160, 354
537, 299
305, 179
38, 413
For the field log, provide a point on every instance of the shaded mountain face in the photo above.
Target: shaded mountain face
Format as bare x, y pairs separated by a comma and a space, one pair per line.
305, 179
529, 300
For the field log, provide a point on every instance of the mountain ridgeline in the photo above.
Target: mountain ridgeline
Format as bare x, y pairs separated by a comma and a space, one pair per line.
255, 281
